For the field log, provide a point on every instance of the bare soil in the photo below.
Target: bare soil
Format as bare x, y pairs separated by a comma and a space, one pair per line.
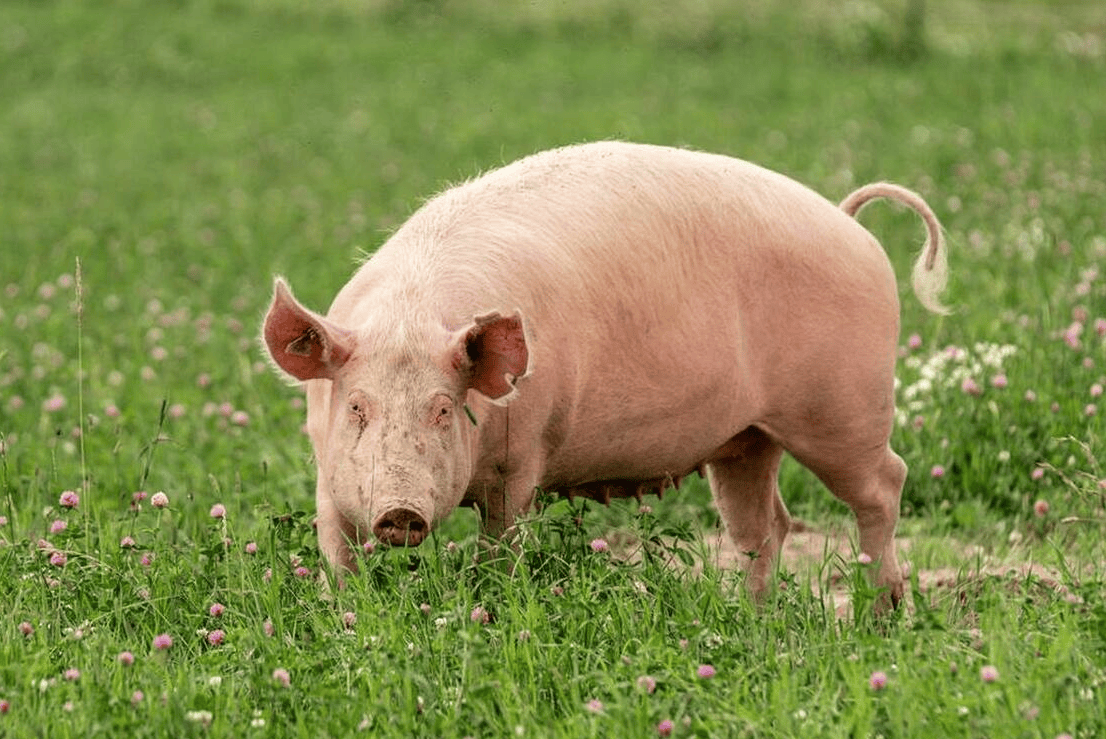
819, 557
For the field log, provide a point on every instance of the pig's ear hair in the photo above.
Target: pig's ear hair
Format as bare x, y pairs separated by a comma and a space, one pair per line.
301, 342
492, 354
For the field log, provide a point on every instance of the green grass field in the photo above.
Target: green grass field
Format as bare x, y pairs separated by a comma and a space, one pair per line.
160, 161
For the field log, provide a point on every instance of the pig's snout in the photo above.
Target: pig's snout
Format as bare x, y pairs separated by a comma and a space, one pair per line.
401, 527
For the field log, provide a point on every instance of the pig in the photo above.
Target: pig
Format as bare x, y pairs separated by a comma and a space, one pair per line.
601, 320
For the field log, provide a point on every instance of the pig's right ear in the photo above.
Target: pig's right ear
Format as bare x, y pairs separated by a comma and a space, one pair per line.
301, 342
493, 355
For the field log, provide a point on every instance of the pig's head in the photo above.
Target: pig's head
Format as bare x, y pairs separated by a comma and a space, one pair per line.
394, 444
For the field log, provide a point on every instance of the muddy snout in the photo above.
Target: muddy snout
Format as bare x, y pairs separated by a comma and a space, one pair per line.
401, 526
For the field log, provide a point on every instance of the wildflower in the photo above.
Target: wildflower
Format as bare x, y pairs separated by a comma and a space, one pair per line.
988, 673
1037, 473
216, 637
58, 526
267, 575
159, 500
200, 717
705, 671
877, 680
598, 545
4, 706
864, 558
72, 674
480, 615
645, 510
594, 705
302, 571
524, 635
58, 559
1030, 396
137, 697
268, 628
218, 511
369, 547
251, 547
937, 471
26, 628
664, 728
349, 618
53, 404
215, 681
970, 387
69, 499
914, 342
125, 658
216, 609
147, 559
999, 381
425, 608
1090, 409
127, 542
162, 641
240, 418
1071, 335
1040, 508
281, 676
647, 683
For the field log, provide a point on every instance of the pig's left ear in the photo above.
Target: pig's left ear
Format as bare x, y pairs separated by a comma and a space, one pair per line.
492, 354
301, 342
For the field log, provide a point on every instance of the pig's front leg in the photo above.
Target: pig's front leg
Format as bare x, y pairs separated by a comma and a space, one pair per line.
505, 500
336, 537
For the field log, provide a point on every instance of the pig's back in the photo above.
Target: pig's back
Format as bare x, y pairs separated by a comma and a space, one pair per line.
600, 219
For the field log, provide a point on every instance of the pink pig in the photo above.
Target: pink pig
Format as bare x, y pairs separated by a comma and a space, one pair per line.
601, 320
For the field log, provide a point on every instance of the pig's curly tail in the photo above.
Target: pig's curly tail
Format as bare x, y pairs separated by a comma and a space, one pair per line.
931, 270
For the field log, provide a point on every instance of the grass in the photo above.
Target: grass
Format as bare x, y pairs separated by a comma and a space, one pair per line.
184, 152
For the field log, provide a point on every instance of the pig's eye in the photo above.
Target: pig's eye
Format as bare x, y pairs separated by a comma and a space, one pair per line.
441, 412
357, 408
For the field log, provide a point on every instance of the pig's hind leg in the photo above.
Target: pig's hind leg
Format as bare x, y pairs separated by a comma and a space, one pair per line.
870, 482
744, 484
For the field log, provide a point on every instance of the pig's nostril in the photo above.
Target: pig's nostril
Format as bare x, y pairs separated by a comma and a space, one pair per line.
401, 527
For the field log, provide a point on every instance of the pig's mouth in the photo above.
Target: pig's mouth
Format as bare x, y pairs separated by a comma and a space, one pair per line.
401, 527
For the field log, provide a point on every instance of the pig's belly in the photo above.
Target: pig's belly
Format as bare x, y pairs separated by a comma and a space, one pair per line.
637, 454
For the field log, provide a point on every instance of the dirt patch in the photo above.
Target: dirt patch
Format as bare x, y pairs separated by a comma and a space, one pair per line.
820, 558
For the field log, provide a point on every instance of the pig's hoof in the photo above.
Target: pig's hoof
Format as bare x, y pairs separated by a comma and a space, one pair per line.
401, 527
